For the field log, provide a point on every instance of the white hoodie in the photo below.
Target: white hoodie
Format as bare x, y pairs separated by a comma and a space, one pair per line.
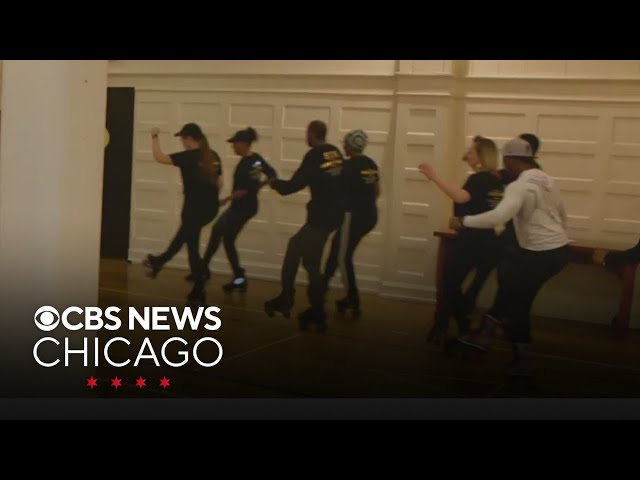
533, 202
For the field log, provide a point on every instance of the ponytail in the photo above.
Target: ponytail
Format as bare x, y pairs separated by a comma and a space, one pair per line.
209, 162
252, 134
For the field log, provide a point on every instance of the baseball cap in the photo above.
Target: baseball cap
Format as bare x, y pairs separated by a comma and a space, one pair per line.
517, 148
248, 135
190, 130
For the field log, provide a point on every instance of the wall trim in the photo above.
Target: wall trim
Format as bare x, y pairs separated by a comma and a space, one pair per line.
361, 86
563, 79
438, 75
263, 91
400, 85
256, 74
547, 99
424, 75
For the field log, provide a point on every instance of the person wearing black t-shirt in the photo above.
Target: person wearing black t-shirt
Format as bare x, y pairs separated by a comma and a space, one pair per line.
535, 205
509, 246
473, 249
362, 187
321, 171
247, 182
201, 171
508, 241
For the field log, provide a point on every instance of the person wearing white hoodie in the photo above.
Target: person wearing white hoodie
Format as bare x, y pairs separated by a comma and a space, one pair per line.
533, 203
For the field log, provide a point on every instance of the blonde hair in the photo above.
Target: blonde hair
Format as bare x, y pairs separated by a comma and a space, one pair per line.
487, 152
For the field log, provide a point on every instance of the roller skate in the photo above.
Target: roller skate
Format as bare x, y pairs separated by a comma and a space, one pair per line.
280, 304
152, 265
349, 304
315, 317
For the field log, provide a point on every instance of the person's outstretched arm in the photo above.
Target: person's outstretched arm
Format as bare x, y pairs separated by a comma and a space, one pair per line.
158, 155
301, 179
268, 170
506, 210
455, 193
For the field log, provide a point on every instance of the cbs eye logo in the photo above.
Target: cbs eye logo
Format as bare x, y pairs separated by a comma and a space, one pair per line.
47, 318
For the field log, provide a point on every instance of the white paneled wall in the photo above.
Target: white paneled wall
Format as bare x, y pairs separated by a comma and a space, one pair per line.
588, 117
420, 135
281, 122
591, 145
592, 150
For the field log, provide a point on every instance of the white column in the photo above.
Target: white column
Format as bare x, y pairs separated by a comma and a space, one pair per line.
51, 162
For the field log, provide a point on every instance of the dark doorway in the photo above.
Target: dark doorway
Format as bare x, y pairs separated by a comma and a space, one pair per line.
118, 161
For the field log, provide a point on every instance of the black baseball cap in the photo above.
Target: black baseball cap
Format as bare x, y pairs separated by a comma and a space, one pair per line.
190, 130
245, 136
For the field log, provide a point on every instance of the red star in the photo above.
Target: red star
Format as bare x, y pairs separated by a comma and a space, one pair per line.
92, 382
116, 382
164, 382
141, 382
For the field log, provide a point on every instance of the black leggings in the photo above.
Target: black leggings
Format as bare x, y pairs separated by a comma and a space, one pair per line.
620, 259
307, 246
189, 233
500, 303
228, 227
508, 243
472, 250
524, 273
343, 248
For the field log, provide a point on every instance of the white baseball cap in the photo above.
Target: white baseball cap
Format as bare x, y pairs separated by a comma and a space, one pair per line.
517, 148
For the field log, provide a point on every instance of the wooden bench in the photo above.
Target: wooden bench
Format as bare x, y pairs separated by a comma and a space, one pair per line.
581, 253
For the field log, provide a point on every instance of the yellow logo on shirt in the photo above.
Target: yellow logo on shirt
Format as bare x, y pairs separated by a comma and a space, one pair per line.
332, 159
332, 155
370, 176
495, 196
333, 163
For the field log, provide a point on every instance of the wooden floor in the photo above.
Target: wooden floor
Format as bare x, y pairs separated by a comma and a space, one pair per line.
381, 355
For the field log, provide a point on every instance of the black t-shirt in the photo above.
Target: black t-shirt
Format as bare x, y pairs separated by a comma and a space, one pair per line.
508, 236
321, 171
361, 178
197, 190
506, 177
486, 191
249, 176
